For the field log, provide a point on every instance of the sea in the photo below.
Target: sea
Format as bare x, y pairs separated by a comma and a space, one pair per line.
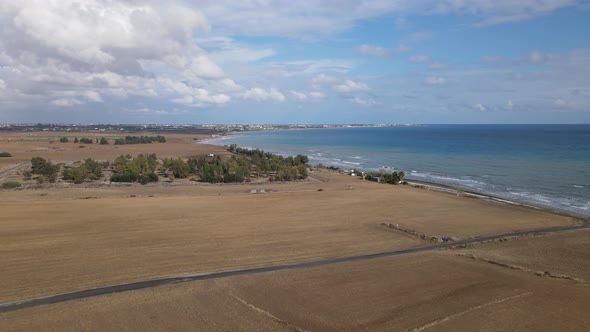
543, 165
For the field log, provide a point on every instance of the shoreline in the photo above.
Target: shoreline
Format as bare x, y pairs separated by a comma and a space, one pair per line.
443, 187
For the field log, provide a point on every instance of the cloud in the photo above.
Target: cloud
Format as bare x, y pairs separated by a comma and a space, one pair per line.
438, 66
260, 94
559, 102
226, 50
480, 108
350, 86
316, 95
307, 67
382, 52
201, 98
70, 53
310, 96
403, 48
420, 59
509, 105
310, 19
298, 95
434, 80
66, 102
363, 102
536, 58
159, 112
203, 67
374, 51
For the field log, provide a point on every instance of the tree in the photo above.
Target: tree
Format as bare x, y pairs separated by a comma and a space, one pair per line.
178, 167
94, 169
78, 174
44, 168
63, 140
76, 140
103, 141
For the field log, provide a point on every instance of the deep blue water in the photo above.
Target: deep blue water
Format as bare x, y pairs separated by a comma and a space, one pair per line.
541, 164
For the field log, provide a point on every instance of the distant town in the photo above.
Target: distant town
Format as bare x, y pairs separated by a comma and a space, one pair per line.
176, 128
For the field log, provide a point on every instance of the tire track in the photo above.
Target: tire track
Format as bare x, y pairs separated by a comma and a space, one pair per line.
51, 299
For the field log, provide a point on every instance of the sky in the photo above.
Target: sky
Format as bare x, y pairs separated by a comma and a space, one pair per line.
304, 62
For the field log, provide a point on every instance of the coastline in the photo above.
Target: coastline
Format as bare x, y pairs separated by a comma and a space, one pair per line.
509, 190
444, 188
455, 190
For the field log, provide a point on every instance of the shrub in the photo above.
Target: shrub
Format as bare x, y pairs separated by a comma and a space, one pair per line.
76, 174
63, 140
5, 154
10, 185
45, 168
86, 140
231, 178
104, 141
124, 178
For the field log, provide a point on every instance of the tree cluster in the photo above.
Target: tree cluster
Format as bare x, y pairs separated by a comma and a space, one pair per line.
84, 140
45, 169
139, 169
89, 170
273, 165
390, 178
140, 140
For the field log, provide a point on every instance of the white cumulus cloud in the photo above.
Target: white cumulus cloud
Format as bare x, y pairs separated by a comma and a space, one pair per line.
350, 86
373, 50
260, 94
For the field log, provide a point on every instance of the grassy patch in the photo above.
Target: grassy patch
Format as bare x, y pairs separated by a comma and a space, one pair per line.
10, 185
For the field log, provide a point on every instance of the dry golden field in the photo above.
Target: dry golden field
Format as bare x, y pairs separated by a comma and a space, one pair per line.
63, 238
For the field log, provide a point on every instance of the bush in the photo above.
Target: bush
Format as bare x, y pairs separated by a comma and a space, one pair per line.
232, 178
76, 174
124, 178
10, 185
147, 178
86, 140
45, 168
63, 140
104, 141
5, 154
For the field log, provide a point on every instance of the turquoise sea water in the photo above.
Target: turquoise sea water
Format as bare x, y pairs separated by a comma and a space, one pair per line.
546, 165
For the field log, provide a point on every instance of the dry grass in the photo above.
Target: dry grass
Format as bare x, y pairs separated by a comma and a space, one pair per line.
565, 254
417, 292
52, 241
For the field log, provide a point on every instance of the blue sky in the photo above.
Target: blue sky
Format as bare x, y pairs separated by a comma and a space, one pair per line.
344, 61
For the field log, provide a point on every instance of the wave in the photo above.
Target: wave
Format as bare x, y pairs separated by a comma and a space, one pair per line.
445, 178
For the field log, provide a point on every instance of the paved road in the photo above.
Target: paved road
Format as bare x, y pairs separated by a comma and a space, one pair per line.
28, 303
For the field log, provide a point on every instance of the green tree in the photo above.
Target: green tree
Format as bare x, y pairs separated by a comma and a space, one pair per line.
45, 168
103, 141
